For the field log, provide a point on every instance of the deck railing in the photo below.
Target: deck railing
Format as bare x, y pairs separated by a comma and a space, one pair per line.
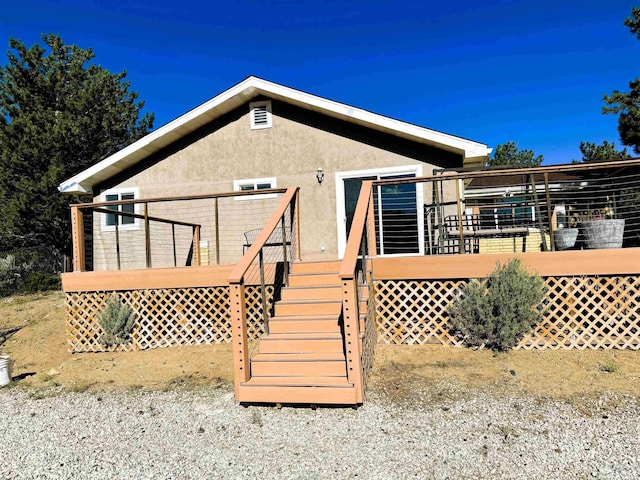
162, 232
267, 264
510, 210
356, 282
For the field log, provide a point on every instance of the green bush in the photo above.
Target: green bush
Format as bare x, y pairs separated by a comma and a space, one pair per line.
496, 314
40, 282
117, 321
28, 270
11, 274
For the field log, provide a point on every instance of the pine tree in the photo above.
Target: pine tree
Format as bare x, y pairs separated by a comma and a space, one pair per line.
59, 114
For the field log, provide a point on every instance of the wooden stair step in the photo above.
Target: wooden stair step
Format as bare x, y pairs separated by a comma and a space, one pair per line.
301, 343
318, 395
318, 279
297, 364
332, 266
308, 307
305, 324
321, 292
299, 357
304, 381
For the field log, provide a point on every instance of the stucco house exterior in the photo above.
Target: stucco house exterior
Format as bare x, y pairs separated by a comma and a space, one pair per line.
258, 135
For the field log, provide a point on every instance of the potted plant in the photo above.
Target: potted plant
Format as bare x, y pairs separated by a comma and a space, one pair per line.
598, 230
564, 236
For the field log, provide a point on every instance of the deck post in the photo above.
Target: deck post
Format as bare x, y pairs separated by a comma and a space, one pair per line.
371, 227
537, 207
549, 214
460, 223
77, 229
439, 216
147, 239
352, 336
196, 245
241, 367
217, 228
285, 262
297, 207
263, 287
173, 236
118, 242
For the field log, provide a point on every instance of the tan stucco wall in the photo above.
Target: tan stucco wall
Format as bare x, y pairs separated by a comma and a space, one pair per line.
291, 151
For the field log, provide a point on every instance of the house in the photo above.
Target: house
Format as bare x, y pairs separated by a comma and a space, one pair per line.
303, 281
260, 135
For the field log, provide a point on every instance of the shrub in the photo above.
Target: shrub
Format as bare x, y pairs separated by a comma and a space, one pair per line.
30, 270
496, 314
117, 322
11, 274
40, 282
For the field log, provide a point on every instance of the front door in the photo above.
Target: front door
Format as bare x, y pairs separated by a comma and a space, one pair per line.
398, 220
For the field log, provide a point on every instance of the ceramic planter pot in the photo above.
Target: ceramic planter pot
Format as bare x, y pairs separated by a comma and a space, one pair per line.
607, 233
565, 238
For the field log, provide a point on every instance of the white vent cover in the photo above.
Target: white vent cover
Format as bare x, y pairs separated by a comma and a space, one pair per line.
260, 114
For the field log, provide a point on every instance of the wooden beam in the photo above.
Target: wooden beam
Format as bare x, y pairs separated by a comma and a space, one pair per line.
611, 261
184, 197
180, 277
142, 217
350, 311
549, 213
196, 245
241, 366
77, 237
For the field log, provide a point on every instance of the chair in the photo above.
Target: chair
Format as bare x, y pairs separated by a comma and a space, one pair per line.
275, 239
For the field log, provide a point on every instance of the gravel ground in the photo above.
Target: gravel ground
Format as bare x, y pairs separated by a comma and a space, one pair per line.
205, 434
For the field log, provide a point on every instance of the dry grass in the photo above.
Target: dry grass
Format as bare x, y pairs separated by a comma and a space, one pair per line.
432, 371
40, 355
429, 372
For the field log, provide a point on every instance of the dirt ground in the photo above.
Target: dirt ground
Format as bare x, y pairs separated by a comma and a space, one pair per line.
401, 373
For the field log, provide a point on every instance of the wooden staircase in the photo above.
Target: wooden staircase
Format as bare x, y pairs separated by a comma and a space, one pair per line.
302, 359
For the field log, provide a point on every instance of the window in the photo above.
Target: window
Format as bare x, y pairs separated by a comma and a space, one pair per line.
251, 184
110, 220
260, 113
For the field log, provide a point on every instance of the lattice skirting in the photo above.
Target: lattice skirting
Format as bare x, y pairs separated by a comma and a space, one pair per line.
586, 312
369, 338
164, 317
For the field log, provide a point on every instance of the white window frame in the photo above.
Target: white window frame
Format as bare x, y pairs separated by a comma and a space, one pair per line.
136, 209
237, 184
252, 107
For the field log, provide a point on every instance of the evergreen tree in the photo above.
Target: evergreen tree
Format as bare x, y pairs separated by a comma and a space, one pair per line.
627, 104
59, 114
510, 156
601, 153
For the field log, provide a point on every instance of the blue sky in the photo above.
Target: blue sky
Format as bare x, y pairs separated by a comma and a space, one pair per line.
529, 71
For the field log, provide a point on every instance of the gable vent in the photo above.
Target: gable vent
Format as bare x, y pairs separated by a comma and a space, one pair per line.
260, 114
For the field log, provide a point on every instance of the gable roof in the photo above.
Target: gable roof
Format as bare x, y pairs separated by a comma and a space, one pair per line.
473, 153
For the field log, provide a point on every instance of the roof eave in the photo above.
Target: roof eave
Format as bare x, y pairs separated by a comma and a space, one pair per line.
472, 152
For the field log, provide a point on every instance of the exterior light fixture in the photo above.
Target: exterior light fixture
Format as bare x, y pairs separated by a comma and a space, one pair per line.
320, 175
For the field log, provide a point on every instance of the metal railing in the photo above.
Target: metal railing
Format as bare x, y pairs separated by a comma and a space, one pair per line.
265, 264
187, 230
511, 210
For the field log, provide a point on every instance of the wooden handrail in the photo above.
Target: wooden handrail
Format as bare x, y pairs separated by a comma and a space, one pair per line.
183, 197
350, 258
142, 217
245, 262
349, 285
635, 162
